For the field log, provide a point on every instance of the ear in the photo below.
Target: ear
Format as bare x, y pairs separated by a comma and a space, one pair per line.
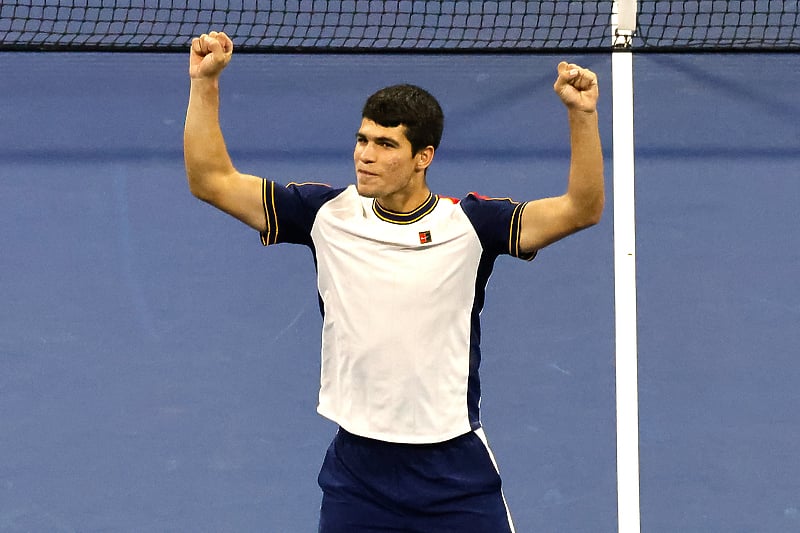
424, 158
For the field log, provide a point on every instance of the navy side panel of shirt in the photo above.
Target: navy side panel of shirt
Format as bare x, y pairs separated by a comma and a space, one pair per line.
483, 213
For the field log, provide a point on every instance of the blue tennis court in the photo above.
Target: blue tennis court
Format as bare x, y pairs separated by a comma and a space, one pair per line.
159, 367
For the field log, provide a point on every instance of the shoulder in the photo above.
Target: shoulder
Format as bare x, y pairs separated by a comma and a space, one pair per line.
477, 205
306, 196
314, 191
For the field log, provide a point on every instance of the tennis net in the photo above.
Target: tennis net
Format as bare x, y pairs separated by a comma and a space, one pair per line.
394, 26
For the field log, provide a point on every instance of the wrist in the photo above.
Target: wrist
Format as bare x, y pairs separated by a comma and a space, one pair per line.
577, 114
205, 85
205, 81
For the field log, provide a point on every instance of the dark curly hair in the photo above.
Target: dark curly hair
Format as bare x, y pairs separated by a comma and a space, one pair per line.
410, 106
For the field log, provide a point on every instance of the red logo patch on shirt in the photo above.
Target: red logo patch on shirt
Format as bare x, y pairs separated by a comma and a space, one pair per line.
424, 237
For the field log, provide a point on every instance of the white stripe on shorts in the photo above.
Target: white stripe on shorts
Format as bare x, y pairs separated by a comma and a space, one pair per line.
482, 435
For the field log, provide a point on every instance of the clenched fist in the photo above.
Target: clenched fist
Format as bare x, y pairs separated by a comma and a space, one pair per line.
577, 87
210, 53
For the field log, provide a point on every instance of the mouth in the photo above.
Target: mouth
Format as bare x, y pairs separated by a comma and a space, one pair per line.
365, 174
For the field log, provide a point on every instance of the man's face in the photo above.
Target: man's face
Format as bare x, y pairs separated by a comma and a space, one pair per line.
383, 161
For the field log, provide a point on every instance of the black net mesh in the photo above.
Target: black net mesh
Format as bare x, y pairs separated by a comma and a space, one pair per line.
720, 25
405, 25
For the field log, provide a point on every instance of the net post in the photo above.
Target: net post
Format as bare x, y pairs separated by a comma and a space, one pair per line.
623, 28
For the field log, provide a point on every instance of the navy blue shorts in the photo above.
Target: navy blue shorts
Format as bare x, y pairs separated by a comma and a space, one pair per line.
381, 487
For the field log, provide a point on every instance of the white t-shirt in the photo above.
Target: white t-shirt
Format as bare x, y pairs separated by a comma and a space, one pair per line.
401, 295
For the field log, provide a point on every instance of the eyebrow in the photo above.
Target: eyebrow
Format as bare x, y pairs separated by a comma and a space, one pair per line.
381, 139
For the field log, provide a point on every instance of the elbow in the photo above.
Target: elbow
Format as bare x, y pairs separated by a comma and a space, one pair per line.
209, 185
208, 178
591, 214
596, 212
199, 187
204, 179
194, 176
195, 185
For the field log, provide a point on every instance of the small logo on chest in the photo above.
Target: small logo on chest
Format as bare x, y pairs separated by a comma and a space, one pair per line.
424, 237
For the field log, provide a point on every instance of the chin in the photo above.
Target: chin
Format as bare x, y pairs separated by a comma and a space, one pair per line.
365, 191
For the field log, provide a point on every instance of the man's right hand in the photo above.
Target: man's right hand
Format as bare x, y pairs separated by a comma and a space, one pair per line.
210, 54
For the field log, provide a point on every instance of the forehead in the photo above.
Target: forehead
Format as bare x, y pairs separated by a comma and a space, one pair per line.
373, 130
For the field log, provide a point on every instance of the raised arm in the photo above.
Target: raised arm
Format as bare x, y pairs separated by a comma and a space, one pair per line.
209, 170
550, 219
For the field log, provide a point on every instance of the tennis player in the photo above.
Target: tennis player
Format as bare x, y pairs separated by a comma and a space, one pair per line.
401, 279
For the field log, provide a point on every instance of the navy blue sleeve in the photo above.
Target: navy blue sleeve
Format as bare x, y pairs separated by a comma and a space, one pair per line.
497, 222
290, 210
